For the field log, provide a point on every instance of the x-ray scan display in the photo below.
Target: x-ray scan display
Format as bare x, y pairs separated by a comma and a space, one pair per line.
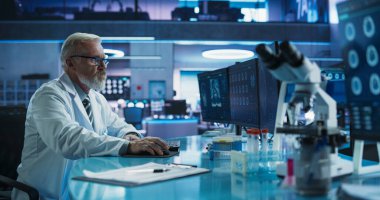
359, 23
215, 95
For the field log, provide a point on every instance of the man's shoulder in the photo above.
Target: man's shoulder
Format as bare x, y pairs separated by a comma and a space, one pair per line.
51, 87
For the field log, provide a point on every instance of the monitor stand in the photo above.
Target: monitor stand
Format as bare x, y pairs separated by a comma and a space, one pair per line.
358, 158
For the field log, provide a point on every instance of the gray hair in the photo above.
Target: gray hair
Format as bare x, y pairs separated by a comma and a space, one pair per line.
71, 43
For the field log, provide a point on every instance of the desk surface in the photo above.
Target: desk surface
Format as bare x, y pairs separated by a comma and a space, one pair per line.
219, 184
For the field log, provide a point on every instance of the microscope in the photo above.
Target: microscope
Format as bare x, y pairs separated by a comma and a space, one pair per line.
310, 114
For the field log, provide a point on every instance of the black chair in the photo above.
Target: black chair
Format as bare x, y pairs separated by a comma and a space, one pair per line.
12, 127
134, 116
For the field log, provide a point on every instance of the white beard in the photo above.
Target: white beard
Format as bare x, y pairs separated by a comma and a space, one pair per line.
98, 83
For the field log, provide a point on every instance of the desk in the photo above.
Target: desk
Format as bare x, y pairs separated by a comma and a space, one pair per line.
218, 184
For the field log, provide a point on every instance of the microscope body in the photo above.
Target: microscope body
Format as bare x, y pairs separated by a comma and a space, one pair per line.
308, 99
310, 113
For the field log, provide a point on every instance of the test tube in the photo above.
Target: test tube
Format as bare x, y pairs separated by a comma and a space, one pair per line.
265, 158
253, 144
264, 140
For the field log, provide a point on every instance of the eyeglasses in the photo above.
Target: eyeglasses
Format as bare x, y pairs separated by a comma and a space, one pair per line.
94, 60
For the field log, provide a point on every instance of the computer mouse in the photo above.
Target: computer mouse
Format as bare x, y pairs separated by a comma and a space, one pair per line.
174, 148
166, 152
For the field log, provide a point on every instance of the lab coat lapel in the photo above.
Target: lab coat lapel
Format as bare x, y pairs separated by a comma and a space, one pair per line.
69, 86
83, 112
95, 111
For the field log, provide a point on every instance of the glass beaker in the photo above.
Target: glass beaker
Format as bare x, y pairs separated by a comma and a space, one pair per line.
312, 167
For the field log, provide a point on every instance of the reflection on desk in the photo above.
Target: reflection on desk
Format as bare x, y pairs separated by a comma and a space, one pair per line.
219, 184
360, 187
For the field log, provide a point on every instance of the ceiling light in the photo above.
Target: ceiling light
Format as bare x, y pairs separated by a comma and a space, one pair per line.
127, 38
227, 54
113, 53
136, 58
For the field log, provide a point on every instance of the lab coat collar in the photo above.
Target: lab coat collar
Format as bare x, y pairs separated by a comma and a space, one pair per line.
68, 84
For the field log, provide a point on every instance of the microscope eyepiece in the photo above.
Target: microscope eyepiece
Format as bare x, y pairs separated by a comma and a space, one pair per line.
264, 52
267, 56
291, 54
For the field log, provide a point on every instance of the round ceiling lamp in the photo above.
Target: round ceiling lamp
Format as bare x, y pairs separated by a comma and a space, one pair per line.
114, 53
227, 54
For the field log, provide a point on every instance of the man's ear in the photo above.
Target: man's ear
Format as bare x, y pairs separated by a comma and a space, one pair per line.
69, 63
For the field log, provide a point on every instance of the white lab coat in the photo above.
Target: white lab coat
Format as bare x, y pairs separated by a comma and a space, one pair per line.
58, 131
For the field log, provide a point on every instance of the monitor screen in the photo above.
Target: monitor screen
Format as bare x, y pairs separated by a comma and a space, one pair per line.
335, 86
268, 91
214, 96
244, 94
358, 21
213, 7
175, 107
157, 105
117, 87
254, 95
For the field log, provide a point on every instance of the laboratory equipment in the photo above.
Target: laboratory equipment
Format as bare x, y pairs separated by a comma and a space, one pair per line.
221, 147
253, 140
311, 112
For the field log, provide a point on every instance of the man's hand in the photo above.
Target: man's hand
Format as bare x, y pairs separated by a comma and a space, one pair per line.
150, 145
131, 137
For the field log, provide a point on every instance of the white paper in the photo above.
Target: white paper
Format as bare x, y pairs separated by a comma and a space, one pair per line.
129, 174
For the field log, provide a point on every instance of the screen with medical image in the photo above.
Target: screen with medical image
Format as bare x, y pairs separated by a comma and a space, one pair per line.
214, 96
117, 87
359, 25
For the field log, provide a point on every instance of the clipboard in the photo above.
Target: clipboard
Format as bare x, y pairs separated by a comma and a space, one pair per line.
121, 177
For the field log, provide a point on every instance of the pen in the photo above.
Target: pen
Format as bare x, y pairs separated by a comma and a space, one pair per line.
159, 170
182, 165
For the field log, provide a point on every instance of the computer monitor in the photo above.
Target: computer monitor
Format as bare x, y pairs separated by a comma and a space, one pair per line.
117, 87
268, 90
253, 94
157, 105
335, 86
215, 96
244, 95
359, 23
175, 107
213, 7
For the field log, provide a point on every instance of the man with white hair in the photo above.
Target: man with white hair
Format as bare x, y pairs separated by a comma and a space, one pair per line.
68, 119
